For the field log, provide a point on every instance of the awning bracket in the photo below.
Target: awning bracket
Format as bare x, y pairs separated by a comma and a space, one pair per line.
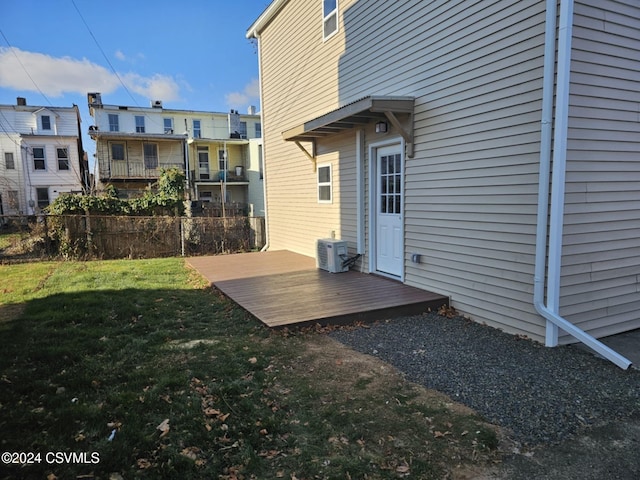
405, 130
311, 156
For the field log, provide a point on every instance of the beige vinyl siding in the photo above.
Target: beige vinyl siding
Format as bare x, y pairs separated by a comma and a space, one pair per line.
475, 69
300, 83
601, 243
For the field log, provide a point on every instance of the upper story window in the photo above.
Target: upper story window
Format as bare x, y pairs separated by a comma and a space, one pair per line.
139, 124
114, 123
258, 127
63, 158
242, 130
39, 162
46, 122
329, 17
197, 133
168, 125
9, 162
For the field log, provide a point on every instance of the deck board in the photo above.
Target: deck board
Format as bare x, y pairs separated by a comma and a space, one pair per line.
283, 288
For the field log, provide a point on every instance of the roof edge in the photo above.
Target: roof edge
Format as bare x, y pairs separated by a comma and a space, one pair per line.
266, 16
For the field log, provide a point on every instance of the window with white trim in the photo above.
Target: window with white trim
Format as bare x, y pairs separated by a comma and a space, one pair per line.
203, 163
197, 132
139, 124
63, 158
324, 184
168, 125
39, 161
114, 123
46, 122
9, 162
329, 18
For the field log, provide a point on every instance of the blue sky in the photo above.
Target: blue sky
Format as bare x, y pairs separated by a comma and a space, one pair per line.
191, 54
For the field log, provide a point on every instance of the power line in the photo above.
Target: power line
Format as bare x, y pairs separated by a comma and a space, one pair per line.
24, 68
103, 53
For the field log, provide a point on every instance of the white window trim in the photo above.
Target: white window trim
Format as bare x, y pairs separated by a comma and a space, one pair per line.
167, 129
115, 124
199, 129
58, 158
324, 184
33, 158
333, 12
48, 117
140, 124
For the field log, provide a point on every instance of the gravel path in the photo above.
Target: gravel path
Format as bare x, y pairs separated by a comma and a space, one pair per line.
540, 395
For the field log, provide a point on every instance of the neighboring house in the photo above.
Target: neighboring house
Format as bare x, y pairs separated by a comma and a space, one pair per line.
421, 132
41, 156
213, 149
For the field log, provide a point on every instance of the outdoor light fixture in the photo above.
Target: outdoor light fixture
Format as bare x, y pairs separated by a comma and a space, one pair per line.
381, 127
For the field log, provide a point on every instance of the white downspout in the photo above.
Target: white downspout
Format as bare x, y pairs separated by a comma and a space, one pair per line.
551, 311
256, 35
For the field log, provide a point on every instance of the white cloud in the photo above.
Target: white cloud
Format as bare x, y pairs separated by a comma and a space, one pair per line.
120, 55
250, 95
55, 76
158, 87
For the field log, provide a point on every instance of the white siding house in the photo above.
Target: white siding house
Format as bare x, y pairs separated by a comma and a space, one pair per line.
41, 156
432, 126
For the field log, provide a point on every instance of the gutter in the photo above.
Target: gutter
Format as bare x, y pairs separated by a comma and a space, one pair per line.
266, 16
550, 311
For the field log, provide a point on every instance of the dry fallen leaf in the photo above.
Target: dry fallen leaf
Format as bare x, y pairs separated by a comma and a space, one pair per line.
253, 360
164, 427
190, 452
143, 463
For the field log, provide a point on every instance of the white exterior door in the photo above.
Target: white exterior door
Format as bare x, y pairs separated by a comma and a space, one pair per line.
389, 215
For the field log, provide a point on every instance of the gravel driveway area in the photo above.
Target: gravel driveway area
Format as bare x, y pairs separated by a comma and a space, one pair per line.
539, 395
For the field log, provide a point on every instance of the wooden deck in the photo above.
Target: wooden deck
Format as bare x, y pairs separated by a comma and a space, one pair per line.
283, 288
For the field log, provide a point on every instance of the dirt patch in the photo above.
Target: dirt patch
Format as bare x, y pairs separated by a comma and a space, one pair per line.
605, 451
346, 372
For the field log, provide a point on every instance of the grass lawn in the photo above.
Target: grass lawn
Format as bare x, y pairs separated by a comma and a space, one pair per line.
139, 370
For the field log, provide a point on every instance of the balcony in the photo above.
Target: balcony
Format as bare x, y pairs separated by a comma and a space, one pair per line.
122, 170
218, 176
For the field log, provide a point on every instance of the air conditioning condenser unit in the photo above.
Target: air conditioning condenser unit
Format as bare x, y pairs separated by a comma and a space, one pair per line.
330, 255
